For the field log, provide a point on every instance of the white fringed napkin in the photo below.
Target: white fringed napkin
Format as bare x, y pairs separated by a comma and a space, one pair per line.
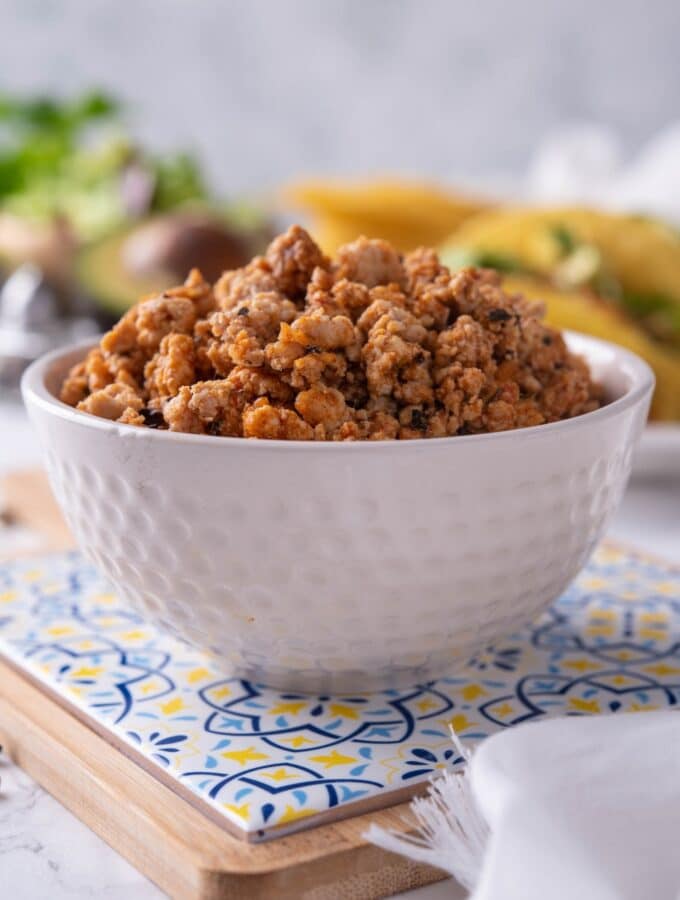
577, 808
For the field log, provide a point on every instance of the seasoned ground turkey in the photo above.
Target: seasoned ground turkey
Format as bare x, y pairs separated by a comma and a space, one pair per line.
370, 346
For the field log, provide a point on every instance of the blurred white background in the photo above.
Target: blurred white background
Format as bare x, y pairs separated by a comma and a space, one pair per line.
266, 90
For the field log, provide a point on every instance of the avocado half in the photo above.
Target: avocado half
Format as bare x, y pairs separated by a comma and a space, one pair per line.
157, 254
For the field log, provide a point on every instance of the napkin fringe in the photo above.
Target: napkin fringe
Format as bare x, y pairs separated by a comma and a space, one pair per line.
451, 832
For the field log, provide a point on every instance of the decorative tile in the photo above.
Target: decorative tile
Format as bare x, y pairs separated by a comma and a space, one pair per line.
266, 759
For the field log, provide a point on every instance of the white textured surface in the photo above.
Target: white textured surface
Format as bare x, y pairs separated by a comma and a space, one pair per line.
45, 852
341, 567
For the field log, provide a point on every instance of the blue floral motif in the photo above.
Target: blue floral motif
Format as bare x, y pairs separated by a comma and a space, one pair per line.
504, 659
423, 762
159, 746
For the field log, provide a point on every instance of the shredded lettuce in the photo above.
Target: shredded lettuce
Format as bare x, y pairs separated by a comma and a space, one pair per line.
68, 158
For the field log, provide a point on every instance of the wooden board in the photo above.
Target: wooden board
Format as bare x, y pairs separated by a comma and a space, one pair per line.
187, 854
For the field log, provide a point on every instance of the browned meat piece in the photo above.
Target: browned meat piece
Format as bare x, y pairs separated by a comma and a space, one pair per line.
369, 347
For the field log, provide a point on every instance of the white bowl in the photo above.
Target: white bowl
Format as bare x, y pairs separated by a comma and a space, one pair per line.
342, 566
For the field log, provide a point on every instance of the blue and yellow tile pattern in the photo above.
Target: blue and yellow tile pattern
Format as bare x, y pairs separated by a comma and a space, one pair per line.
267, 759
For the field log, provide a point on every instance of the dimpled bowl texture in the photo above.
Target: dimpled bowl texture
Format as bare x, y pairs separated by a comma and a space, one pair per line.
341, 567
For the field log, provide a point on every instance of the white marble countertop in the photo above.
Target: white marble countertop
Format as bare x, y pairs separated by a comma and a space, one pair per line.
46, 852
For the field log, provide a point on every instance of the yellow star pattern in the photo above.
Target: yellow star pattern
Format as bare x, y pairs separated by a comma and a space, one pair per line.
581, 665
604, 614
667, 587
33, 575
339, 709
292, 815
639, 707
242, 811
649, 617
197, 675
288, 707
588, 706
279, 775
249, 754
594, 584
87, 672
222, 692
600, 630
298, 741
332, 759
172, 706
472, 691
460, 723
651, 634
662, 669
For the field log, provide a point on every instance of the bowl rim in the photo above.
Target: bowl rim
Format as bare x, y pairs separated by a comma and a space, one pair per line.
35, 392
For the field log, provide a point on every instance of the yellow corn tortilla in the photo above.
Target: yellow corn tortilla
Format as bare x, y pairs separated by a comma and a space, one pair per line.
639, 255
406, 213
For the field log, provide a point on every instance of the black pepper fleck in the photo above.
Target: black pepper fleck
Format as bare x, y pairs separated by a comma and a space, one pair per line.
243, 311
547, 340
499, 315
7, 519
313, 349
153, 418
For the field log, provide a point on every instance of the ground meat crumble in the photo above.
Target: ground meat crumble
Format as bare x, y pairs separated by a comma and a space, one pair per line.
371, 346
